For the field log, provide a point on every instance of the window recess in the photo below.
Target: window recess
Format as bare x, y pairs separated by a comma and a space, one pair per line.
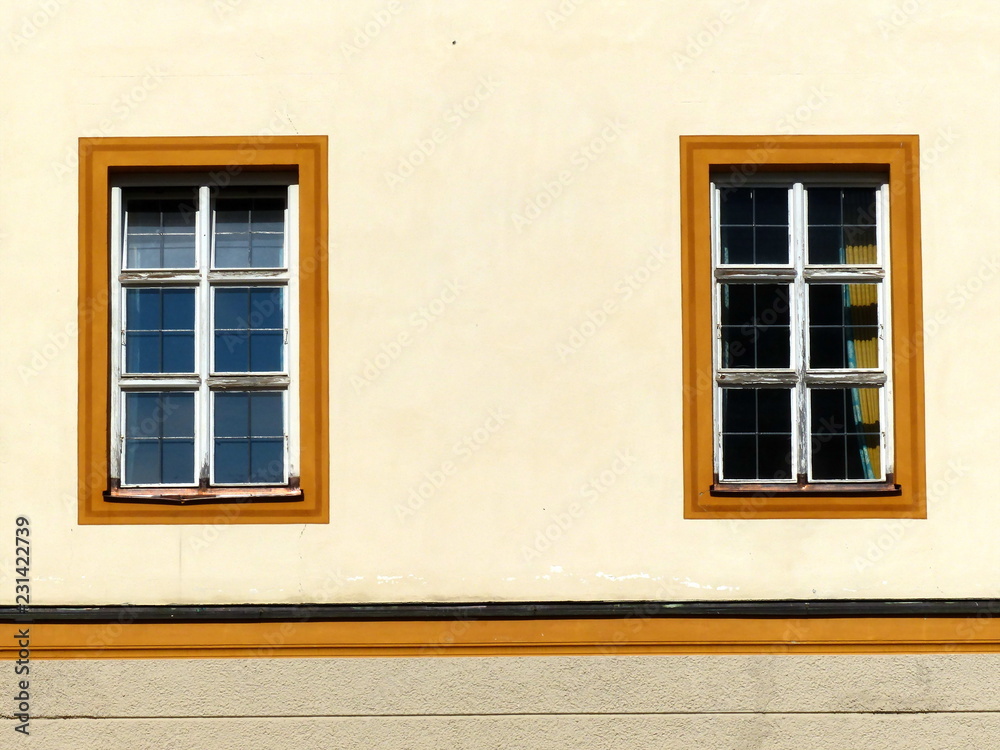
801, 302
204, 339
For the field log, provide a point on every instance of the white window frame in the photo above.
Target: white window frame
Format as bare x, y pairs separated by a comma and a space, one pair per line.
205, 278
799, 377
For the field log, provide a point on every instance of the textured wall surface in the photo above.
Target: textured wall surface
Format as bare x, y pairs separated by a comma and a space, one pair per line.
498, 172
536, 703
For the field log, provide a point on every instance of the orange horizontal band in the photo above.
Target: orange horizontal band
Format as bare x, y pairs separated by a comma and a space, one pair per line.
508, 637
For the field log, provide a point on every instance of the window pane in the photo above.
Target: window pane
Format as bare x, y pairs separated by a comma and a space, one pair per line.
142, 309
267, 462
757, 433
178, 415
232, 414
143, 251
232, 308
845, 433
249, 329
232, 461
843, 325
232, 352
755, 325
737, 244
178, 352
249, 437
142, 462
267, 308
178, 309
265, 351
178, 251
266, 250
177, 461
159, 330
232, 250
160, 233
249, 232
159, 438
842, 226
754, 226
266, 415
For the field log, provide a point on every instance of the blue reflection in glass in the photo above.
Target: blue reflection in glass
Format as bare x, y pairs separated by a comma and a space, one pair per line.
160, 233
249, 437
159, 330
249, 232
249, 329
159, 438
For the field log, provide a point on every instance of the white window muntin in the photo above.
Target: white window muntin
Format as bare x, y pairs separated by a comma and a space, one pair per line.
800, 275
203, 383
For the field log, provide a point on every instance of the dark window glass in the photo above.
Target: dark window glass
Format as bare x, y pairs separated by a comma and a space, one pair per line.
754, 226
755, 325
841, 225
845, 433
757, 434
843, 326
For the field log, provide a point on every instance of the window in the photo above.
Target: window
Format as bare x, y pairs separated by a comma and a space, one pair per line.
203, 323
203, 348
802, 348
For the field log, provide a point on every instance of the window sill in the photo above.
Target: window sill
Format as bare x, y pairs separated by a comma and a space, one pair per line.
198, 496
816, 489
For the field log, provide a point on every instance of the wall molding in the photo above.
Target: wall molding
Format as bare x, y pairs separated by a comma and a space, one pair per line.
521, 628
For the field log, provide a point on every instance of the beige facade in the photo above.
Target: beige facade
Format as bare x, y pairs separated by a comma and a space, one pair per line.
490, 293
505, 358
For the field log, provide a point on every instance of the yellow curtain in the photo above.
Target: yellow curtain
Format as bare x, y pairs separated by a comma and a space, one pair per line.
862, 351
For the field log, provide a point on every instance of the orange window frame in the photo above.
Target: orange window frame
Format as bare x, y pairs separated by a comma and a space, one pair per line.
897, 155
100, 159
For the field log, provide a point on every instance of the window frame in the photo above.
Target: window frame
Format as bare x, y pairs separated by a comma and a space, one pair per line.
205, 278
756, 160
107, 164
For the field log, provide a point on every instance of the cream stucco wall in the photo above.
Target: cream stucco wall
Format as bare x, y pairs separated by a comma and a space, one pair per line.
511, 97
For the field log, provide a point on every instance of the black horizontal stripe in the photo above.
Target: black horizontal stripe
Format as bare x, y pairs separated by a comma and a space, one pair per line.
791, 608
